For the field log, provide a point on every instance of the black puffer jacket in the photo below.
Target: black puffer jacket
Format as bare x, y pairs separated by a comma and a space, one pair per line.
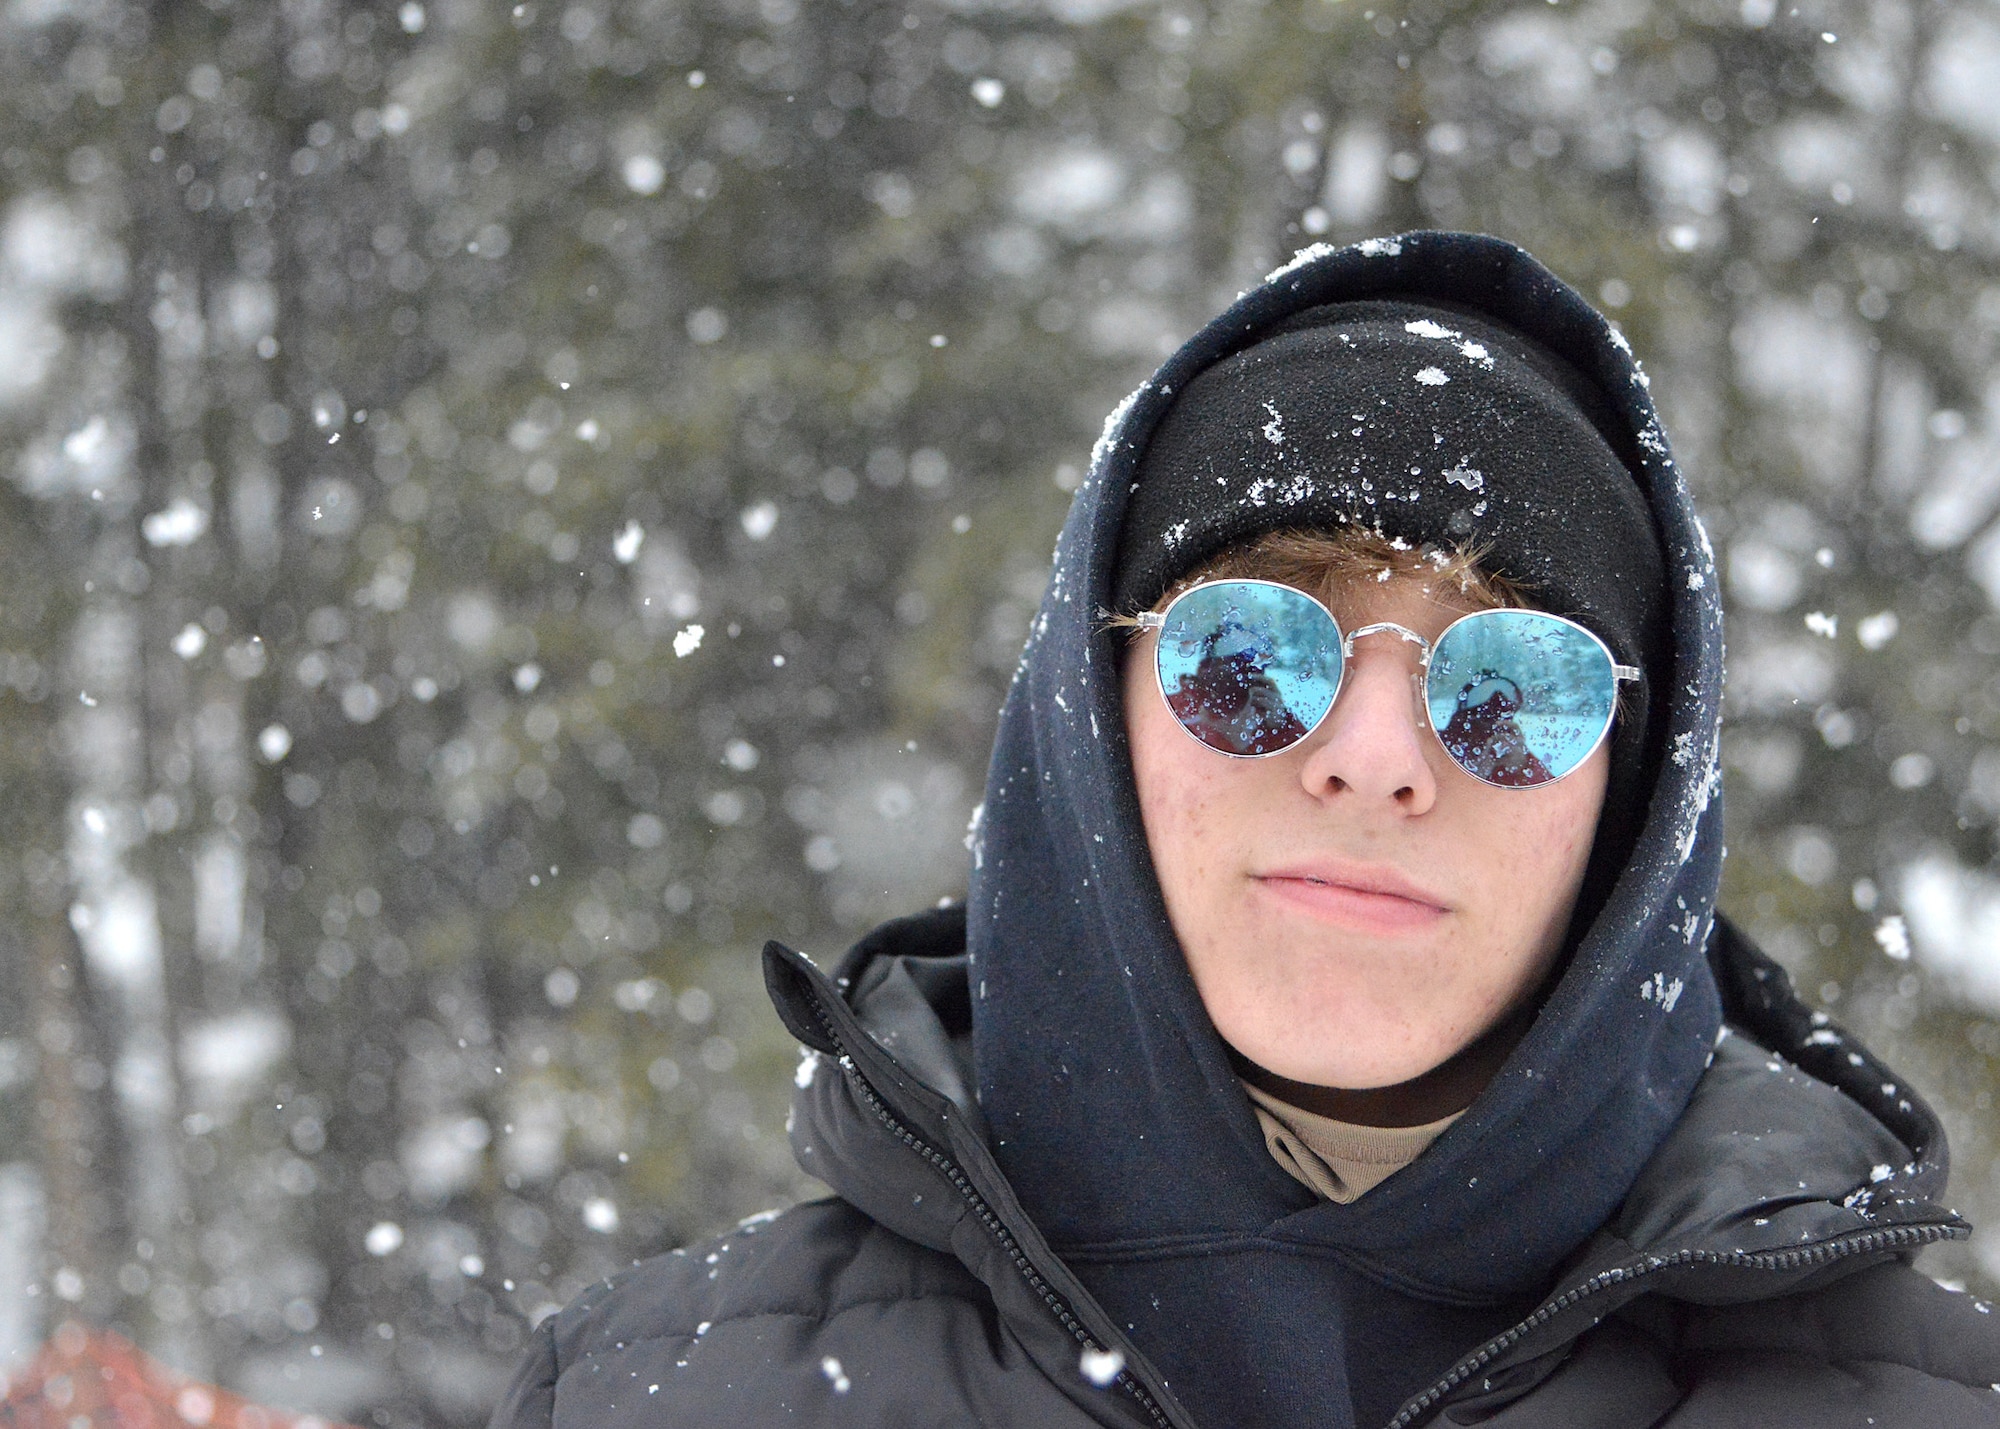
1756, 1277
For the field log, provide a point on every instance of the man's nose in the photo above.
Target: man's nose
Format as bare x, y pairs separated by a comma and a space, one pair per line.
1372, 746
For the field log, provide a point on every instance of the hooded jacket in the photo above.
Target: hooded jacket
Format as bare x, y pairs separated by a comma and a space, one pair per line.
1054, 1204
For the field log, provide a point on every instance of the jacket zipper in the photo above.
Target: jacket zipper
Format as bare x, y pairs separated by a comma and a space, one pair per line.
949, 1169
1824, 1253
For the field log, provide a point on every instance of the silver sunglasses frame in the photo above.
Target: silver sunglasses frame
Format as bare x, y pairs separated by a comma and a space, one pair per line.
1620, 674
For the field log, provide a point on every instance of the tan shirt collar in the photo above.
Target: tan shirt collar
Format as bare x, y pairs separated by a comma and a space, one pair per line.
1338, 1159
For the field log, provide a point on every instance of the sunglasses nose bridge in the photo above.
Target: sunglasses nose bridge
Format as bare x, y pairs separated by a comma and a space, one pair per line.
1388, 627
1421, 711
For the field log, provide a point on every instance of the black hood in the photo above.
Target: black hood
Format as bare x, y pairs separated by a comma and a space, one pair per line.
1114, 1110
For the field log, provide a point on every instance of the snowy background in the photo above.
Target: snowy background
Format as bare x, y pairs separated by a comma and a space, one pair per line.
506, 507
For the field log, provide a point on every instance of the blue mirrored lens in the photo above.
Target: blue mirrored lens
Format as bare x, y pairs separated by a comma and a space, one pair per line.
1518, 697
1248, 668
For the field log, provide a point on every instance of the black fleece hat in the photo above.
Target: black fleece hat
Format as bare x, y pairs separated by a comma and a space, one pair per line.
1413, 420
1438, 425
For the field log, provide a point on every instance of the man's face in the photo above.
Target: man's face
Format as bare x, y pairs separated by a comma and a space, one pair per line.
1357, 909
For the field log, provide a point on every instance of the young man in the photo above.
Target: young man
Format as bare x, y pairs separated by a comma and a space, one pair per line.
1339, 1030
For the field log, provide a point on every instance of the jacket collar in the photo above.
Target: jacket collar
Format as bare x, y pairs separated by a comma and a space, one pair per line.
880, 1113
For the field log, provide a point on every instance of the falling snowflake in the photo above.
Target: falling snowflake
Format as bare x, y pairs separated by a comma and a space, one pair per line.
190, 642
1101, 1367
1877, 630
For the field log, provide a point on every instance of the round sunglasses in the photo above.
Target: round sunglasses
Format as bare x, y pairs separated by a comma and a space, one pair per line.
1518, 698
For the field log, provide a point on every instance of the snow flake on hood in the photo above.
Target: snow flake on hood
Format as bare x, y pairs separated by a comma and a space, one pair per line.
1661, 989
1691, 922
975, 842
1707, 548
1699, 796
1433, 377
1300, 259
1114, 424
1306, 257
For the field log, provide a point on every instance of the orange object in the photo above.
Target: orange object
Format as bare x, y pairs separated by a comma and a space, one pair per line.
92, 1379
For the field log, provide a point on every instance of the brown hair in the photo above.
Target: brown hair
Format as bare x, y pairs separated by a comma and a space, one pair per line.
1320, 562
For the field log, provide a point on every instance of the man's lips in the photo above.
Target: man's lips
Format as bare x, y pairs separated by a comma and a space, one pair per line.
1372, 897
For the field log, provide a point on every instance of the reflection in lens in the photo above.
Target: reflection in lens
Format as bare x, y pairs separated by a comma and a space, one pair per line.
1247, 667
1518, 697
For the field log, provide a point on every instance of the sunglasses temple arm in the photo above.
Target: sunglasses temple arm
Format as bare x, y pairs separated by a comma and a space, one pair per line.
1627, 672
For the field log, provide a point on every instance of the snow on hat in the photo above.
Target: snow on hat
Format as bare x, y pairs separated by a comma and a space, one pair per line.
1419, 421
